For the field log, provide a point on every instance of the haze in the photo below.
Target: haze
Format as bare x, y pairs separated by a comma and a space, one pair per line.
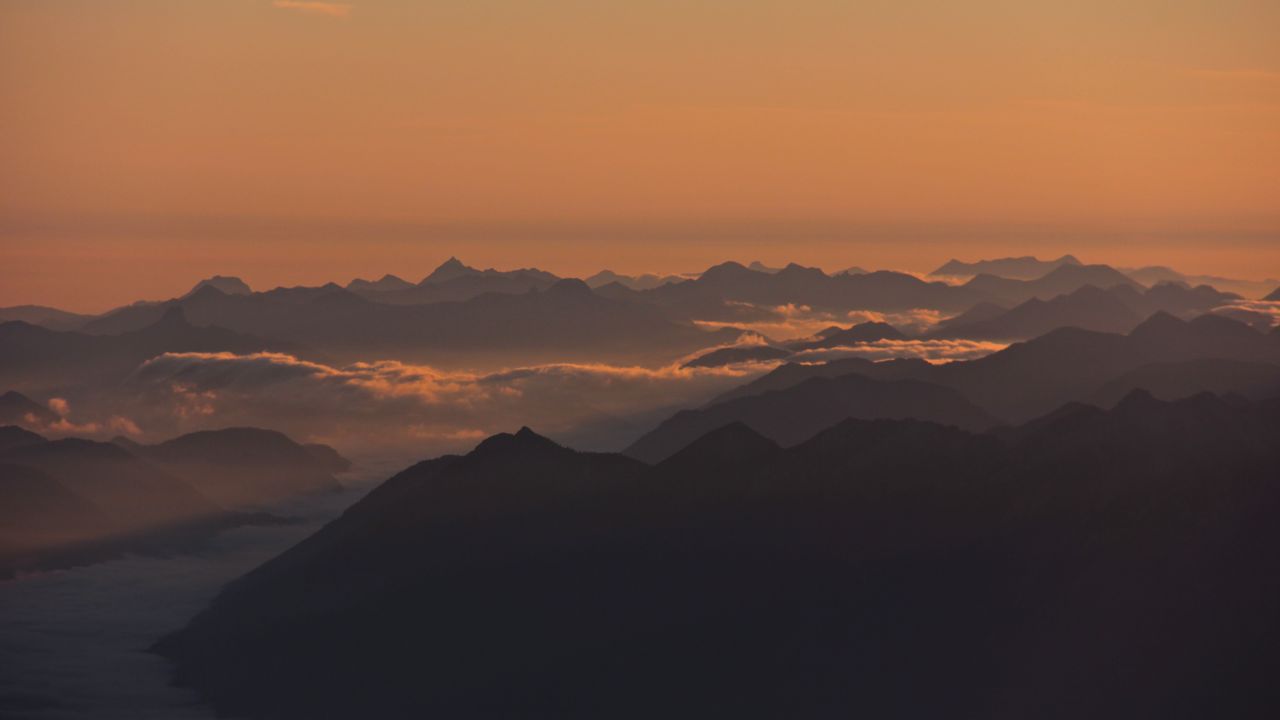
146, 143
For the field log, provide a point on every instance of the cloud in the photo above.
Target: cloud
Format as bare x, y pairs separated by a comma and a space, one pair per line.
912, 322
931, 350
1261, 314
388, 402
337, 10
64, 425
793, 322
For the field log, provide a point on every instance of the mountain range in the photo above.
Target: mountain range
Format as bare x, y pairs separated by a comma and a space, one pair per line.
73, 501
1017, 268
1031, 378
1118, 309
565, 318
1127, 551
36, 357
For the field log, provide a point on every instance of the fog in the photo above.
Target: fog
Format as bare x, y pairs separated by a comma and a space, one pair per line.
73, 642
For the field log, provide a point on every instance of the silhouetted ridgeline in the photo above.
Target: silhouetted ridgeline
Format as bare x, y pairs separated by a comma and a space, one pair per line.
797, 413
1069, 364
71, 502
1091, 563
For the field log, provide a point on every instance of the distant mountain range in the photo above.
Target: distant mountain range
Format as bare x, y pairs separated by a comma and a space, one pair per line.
18, 409
72, 501
35, 356
565, 319
883, 568
794, 414
1019, 268
647, 281
1118, 309
1031, 378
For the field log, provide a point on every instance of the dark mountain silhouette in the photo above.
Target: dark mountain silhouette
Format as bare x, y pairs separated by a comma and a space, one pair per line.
1177, 380
1069, 364
387, 283
1274, 296
647, 281
563, 320
1017, 268
1029, 379
791, 374
37, 513
734, 355
454, 281
34, 355
453, 269
721, 290
240, 467
866, 332
1157, 274
1129, 552
1089, 308
228, 285
980, 313
12, 436
795, 414
1022, 268
854, 270
1178, 299
133, 493
72, 502
47, 317
18, 409
758, 266
329, 458
1118, 309
1064, 279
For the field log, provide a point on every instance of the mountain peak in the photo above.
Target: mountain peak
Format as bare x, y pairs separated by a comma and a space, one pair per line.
174, 317
1138, 399
226, 284
448, 270
735, 443
1160, 323
522, 442
569, 287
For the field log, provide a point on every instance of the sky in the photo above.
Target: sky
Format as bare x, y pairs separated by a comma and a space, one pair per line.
147, 143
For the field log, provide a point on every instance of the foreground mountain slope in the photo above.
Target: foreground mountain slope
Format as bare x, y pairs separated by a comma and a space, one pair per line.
1126, 551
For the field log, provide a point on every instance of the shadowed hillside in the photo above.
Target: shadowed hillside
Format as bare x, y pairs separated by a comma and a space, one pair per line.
834, 578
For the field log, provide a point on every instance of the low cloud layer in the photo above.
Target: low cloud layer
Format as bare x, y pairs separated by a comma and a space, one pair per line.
792, 322
391, 402
1261, 314
931, 350
66, 423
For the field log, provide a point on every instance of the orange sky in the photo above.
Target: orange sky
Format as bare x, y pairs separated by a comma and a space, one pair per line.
147, 143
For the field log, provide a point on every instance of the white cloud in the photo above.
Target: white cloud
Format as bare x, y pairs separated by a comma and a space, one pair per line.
394, 402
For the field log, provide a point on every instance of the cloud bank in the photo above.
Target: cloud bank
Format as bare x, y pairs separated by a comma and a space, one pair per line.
389, 402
